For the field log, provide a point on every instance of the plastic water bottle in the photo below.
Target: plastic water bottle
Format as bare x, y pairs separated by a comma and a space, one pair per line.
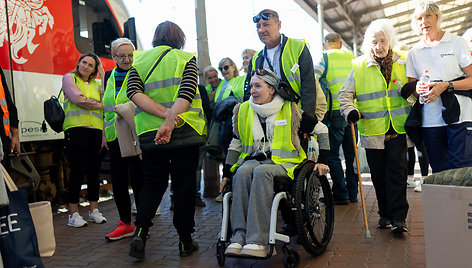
399, 85
424, 86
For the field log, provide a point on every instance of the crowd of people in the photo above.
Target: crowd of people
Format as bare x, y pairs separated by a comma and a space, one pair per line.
276, 104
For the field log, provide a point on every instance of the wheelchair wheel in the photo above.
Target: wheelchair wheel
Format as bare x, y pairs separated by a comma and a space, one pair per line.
220, 252
291, 257
315, 210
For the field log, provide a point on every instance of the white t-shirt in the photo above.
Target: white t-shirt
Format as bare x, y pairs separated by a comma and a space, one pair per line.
444, 62
273, 55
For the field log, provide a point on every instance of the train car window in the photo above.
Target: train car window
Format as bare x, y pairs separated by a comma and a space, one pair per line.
94, 26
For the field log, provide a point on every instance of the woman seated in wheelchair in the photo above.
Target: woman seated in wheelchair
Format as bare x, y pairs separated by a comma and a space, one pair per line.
266, 145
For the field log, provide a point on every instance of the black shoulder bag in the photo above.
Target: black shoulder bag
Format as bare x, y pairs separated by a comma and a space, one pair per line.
53, 113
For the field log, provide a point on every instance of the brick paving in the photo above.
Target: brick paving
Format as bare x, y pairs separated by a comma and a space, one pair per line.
86, 247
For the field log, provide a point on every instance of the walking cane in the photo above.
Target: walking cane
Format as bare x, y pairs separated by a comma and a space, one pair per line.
367, 232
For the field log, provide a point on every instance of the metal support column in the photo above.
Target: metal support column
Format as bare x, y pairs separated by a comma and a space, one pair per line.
321, 19
211, 174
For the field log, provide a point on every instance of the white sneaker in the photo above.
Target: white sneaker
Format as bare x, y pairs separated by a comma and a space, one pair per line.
219, 198
158, 211
418, 186
254, 250
96, 217
76, 221
411, 182
234, 249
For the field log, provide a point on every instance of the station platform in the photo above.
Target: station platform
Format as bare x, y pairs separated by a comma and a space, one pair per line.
87, 247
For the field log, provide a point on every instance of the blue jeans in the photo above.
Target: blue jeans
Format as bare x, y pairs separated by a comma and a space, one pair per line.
448, 147
340, 135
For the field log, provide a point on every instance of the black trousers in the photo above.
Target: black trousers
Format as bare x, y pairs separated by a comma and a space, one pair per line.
123, 171
388, 172
181, 164
422, 159
82, 147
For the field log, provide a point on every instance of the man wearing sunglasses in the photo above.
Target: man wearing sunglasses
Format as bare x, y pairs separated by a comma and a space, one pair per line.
291, 60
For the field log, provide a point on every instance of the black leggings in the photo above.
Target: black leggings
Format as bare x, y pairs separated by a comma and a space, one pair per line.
123, 171
422, 159
82, 147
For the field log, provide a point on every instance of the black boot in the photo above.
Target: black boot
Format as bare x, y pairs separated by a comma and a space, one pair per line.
138, 243
187, 248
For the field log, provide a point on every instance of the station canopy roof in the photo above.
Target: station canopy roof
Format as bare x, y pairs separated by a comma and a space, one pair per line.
350, 18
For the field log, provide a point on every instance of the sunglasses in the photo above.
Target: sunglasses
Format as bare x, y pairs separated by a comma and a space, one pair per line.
264, 16
226, 67
259, 72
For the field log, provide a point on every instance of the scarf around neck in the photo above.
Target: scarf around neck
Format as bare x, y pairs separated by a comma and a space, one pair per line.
268, 111
385, 65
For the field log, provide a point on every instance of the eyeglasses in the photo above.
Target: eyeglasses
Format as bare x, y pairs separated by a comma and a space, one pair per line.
122, 57
264, 16
259, 72
226, 67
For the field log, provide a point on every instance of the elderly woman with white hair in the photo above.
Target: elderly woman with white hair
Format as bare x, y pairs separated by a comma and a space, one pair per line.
374, 82
446, 115
115, 94
266, 145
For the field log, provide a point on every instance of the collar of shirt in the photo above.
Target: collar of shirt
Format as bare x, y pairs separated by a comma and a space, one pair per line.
446, 38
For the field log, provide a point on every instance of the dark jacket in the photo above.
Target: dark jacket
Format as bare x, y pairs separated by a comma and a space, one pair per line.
307, 75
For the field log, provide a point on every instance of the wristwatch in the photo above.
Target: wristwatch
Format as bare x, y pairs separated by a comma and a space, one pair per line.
450, 87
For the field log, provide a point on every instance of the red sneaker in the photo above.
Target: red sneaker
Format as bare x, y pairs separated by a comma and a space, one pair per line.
121, 231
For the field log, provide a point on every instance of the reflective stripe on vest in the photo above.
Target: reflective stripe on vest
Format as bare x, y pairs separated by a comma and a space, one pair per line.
163, 87
289, 59
76, 116
339, 67
283, 152
109, 103
6, 113
378, 104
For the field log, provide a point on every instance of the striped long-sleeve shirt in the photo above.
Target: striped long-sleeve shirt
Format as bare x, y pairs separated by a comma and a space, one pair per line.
188, 85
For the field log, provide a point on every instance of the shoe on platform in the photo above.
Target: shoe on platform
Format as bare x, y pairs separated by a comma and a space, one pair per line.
341, 201
76, 221
384, 223
219, 198
122, 230
187, 248
254, 250
234, 249
199, 202
411, 182
399, 227
96, 217
353, 200
138, 244
418, 186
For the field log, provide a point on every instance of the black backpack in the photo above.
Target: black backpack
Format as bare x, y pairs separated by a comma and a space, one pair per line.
54, 114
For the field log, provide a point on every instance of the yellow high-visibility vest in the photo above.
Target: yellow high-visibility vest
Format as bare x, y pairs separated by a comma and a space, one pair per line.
284, 152
109, 103
76, 116
163, 87
380, 103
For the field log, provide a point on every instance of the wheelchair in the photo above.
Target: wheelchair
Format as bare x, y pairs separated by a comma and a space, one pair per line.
310, 197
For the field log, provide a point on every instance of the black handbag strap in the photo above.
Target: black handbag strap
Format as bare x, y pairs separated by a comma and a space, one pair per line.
157, 62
